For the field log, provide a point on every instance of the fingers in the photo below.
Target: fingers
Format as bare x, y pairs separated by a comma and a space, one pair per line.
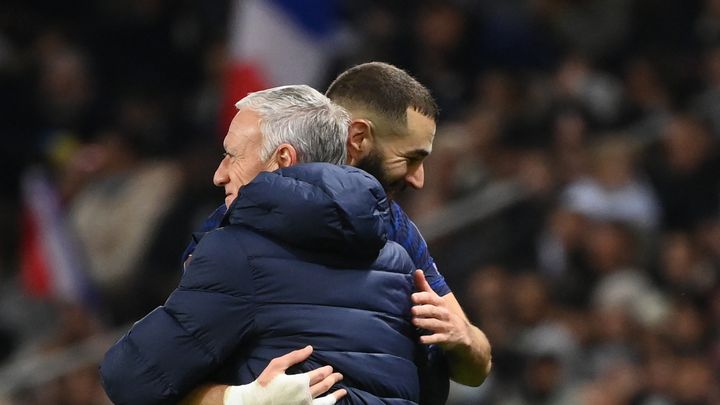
430, 311
339, 394
330, 399
438, 338
420, 298
294, 357
448, 333
432, 325
278, 365
319, 374
421, 283
325, 384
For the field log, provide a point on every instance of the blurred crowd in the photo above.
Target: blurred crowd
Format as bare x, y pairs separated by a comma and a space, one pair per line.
599, 285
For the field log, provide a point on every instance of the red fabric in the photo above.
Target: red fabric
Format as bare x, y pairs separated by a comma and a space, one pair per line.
34, 271
241, 79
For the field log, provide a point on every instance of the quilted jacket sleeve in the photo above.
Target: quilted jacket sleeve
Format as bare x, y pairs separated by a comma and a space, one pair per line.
176, 346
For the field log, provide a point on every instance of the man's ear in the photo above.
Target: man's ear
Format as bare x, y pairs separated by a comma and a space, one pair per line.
285, 155
360, 140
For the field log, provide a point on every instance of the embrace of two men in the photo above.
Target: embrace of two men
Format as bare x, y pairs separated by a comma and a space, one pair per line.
309, 252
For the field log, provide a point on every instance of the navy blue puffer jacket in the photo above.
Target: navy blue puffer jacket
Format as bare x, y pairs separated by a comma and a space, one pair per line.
302, 259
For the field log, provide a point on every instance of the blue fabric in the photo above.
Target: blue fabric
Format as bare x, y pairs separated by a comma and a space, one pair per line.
317, 18
403, 231
271, 280
211, 223
399, 229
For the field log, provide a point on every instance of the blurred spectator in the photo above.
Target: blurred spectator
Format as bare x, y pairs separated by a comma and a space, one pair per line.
707, 103
444, 57
684, 173
613, 191
707, 26
595, 27
118, 215
560, 244
684, 270
648, 100
695, 382
598, 92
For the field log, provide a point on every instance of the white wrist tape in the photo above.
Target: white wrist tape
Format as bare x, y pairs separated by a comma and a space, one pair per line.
283, 389
326, 400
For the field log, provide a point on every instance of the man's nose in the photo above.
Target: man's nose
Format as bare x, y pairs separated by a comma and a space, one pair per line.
220, 178
416, 178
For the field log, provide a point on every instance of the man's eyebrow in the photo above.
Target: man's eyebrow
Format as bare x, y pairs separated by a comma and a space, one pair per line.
417, 154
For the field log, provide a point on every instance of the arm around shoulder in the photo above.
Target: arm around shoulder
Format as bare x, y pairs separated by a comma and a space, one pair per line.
172, 349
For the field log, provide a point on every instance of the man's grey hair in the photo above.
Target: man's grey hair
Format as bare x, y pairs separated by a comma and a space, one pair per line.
303, 117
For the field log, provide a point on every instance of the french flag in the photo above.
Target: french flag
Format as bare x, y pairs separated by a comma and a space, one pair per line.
50, 261
278, 42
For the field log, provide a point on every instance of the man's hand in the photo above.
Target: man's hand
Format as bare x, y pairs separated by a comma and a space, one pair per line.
431, 313
319, 380
466, 345
273, 386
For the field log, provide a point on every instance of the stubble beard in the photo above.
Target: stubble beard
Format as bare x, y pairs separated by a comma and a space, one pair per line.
372, 163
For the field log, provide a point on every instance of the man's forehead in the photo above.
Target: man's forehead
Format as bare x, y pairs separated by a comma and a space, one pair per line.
421, 128
244, 127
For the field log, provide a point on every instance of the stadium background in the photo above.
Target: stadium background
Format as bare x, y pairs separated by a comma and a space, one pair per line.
572, 199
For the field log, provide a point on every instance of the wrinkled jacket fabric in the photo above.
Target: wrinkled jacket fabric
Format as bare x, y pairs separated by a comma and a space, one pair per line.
302, 259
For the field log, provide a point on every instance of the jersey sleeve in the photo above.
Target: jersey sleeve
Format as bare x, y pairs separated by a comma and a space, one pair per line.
402, 230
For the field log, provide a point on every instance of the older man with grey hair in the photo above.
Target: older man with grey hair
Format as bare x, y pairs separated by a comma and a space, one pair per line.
301, 259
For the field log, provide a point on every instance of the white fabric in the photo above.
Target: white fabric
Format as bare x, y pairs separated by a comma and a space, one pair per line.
326, 400
634, 202
282, 390
264, 35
